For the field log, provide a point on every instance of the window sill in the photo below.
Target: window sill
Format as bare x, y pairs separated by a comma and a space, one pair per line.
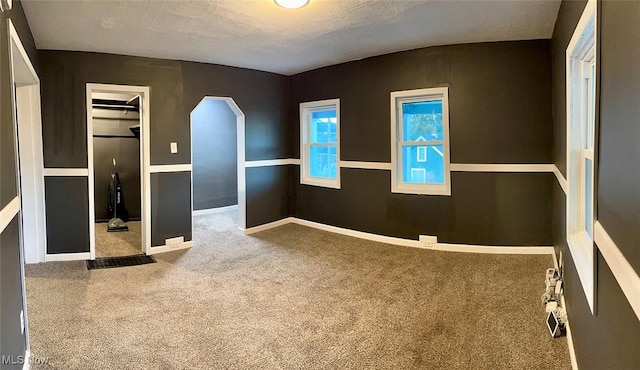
422, 190
581, 247
332, 184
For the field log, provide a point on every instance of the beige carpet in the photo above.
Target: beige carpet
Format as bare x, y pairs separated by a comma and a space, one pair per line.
121, 243
292, 298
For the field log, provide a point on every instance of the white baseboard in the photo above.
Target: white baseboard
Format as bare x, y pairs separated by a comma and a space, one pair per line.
270, 225
209, 211
572, 351
170, 248
27, 360
491, 249
359, 234
467, 248
67, 257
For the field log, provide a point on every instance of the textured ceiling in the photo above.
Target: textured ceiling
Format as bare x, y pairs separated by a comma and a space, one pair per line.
260, 35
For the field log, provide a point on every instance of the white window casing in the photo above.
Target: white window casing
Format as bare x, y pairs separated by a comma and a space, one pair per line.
423, 146
306, 144
581, 74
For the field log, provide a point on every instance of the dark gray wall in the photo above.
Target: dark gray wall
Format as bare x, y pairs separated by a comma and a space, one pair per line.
610, 338
12, 342
126, 151
215, 157
67, 197
176, 88
500, 112
170, 214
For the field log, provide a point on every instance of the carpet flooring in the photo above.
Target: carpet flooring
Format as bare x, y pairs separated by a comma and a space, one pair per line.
117, 244
292, 298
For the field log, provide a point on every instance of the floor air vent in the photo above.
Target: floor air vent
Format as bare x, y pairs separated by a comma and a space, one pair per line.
111, 262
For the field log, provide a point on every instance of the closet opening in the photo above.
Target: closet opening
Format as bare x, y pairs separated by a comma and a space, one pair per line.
116, 165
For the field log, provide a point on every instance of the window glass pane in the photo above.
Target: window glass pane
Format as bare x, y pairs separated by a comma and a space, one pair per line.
422, 121
588, 197
417, 171
322, 162
323, 126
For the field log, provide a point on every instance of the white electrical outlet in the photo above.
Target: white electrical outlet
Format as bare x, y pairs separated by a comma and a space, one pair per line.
174, 241
428, 240
174, 147
22, 321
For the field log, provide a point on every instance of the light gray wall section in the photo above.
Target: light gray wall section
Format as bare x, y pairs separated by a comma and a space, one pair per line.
215, 157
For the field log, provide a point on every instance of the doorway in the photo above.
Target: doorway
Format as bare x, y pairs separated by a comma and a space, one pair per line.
28, 126
217, 157
118, 152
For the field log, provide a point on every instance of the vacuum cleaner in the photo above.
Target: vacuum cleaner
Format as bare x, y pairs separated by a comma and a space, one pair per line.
116, 202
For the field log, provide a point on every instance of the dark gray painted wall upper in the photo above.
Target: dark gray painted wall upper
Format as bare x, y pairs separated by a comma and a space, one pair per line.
126, 152
499, 98
261, 96
215, 157
609, 339
500, 112
65, 75
12, 342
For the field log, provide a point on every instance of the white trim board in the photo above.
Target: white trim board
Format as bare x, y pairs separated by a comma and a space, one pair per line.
208, 211
170, 248
508, 167
64, 172
9, 212
67, 256
272, 162
622, 270
365, 165
164, 168
467, 248
561, 180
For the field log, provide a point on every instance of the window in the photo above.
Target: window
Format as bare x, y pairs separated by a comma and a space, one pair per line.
320, 143
420, 141
581, 91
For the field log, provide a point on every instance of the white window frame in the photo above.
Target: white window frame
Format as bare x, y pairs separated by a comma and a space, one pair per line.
397, 183
580, 59
305, 142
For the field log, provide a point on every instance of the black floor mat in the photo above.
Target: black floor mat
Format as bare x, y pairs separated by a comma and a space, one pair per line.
110, 262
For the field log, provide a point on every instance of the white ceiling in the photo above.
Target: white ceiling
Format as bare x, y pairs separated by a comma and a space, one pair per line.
260, 35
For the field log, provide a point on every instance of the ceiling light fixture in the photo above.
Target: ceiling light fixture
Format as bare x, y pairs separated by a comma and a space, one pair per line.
292, 4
